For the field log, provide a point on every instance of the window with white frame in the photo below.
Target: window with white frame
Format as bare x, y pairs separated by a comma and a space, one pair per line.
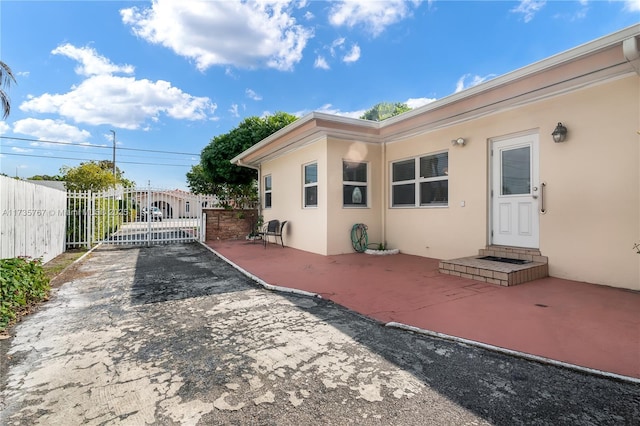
187, 207
267, 192
354, 184
311, 185
421, 181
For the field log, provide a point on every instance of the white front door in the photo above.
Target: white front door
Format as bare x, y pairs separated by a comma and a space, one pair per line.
515, 188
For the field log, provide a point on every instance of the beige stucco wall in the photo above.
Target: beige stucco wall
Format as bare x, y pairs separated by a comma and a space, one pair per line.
325, 229
592, 194
307, 227
341, 219
443, 232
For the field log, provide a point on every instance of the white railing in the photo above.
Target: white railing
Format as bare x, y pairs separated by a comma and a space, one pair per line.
138, 216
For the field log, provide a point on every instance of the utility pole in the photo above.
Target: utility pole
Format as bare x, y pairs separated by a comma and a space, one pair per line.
114, 153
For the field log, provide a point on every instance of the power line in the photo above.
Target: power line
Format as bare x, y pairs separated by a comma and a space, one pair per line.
96, 146
42, 148
89, 159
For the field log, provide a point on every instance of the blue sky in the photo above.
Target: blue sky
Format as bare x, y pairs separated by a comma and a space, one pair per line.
170, 75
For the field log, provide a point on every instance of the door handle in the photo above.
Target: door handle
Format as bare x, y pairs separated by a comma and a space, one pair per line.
543, 210
534, 196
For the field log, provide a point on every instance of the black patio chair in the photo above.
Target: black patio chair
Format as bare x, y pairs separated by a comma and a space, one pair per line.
273, 228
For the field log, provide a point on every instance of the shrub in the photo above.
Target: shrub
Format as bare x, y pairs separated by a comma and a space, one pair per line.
22, 283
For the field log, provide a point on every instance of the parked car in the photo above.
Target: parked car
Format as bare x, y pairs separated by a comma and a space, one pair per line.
156, 214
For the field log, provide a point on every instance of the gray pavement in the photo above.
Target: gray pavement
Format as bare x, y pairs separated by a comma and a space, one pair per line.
173, 335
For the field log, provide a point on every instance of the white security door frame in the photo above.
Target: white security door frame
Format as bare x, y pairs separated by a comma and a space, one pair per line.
515, 187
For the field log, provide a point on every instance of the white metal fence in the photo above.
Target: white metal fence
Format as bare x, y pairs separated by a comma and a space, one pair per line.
32, 221
134, 216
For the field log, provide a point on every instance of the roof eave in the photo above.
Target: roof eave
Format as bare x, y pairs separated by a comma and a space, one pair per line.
298, 124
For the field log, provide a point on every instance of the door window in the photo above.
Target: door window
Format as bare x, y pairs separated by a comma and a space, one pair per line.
516, 171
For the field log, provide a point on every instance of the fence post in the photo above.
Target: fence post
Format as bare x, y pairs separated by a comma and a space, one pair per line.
89, 218
149, 216
203, 227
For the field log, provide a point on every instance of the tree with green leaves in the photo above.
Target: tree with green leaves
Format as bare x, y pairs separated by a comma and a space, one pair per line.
215, 157
199, 183
216, 175
93, 176
108, 166
47, 177
6, 77
385, 110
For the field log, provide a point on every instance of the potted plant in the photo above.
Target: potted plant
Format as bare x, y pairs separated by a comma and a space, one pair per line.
256, 231
382, 250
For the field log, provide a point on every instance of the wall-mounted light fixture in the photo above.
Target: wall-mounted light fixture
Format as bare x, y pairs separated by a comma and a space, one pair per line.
459, 142
560, 133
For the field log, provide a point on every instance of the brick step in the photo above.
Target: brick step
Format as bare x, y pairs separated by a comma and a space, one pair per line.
504, 274
531, 255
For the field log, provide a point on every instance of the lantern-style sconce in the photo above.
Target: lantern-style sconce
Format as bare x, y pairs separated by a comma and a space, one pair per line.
560, 133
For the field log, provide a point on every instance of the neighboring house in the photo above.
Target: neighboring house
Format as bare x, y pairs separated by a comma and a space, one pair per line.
175, 203
478, 168
55, 184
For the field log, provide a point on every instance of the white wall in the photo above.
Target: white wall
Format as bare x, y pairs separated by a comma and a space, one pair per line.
32, 220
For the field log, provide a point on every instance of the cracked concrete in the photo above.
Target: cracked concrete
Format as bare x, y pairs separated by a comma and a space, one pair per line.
172, 335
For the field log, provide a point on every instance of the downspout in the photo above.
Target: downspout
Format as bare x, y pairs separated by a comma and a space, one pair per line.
383, 201
631, 53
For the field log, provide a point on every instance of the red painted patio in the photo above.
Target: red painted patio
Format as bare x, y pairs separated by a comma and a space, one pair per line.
573, 322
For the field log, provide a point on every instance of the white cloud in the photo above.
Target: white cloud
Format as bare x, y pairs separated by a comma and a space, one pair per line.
321, 63
632, 5
253, 95
414, 103
91, 63
23, 73
48, 129
329, 109
242, 34
529, 8
353, 55
123, 102
20, 150
337, 44
374, 16
467, 81
234, 110
339, 47
4, 128
109, 138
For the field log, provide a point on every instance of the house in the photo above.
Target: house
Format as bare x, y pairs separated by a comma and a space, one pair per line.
55, 184
175, 203
479, 169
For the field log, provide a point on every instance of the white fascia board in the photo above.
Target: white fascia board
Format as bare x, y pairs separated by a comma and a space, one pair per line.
300, 122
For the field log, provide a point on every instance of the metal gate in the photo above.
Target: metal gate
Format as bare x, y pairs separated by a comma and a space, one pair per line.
134, 216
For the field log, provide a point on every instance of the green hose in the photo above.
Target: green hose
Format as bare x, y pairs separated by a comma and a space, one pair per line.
359, 238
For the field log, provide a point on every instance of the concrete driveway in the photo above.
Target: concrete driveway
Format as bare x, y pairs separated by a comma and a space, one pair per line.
173, 335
